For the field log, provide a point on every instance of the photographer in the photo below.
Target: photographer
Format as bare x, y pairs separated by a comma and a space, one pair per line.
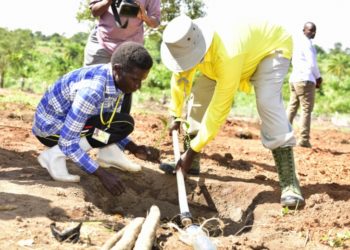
108, 35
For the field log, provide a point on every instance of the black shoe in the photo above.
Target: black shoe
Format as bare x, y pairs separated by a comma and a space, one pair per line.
292, 202
169, 168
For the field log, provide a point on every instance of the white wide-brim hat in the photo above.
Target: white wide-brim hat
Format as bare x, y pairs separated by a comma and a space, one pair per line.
185, 42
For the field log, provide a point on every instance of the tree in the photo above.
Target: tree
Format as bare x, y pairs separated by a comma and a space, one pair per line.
15, 50
337, 49
5, 52
339, 65
169, 9
80, 38
194, 8
40, 36
320, 50
22, 56
84, 13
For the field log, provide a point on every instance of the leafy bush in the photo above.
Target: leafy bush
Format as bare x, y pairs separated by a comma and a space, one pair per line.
159, 77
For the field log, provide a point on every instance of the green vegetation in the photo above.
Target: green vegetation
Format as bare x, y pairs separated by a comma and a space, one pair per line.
285, 211
336, 240
32, 61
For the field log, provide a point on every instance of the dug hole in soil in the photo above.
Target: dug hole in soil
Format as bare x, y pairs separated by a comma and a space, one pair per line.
238, 184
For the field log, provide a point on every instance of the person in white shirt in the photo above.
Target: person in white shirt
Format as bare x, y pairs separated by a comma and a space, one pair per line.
304, 80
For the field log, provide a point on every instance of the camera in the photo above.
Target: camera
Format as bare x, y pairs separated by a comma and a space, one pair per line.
127, 8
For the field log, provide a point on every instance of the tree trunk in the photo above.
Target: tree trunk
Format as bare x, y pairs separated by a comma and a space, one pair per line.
22, 81
2, 75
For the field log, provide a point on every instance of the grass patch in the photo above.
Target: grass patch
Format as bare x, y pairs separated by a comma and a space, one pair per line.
244, 105
18, 96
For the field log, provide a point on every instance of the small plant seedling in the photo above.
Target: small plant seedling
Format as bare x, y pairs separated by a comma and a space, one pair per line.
285, 211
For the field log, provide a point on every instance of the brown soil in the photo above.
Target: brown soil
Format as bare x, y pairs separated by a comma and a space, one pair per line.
238, 184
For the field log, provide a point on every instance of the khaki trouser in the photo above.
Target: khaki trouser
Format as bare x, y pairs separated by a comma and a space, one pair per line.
302, 94
276, 130
201, 94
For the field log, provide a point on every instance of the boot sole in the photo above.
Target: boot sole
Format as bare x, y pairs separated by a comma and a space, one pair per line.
292, 202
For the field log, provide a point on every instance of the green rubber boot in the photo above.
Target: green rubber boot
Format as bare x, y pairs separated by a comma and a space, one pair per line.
290, 189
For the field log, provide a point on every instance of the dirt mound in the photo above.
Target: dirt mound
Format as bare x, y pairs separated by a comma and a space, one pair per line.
238, 184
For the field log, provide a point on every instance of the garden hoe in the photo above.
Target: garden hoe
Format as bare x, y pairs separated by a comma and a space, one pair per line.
194, 235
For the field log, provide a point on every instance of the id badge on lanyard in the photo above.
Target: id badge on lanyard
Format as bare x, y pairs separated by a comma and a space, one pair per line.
102, 135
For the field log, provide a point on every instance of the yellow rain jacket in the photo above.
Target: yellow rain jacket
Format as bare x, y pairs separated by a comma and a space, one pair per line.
231, 60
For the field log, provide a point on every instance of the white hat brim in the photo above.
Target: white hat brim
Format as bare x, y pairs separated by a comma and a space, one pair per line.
188, 61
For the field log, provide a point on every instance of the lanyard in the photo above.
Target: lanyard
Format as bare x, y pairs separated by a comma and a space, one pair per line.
108, 123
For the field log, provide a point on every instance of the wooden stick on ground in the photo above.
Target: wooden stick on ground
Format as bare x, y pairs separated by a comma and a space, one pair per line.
148, 231
111, 241
130, 235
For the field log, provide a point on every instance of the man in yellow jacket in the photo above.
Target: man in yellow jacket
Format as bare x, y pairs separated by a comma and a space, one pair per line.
234, 56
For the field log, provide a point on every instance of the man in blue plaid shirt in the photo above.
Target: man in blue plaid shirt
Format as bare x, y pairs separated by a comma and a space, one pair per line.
88, 108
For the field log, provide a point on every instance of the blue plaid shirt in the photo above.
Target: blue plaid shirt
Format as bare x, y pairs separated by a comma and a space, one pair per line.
70, 102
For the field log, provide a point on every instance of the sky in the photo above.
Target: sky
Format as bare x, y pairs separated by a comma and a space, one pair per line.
332, 17
47, 16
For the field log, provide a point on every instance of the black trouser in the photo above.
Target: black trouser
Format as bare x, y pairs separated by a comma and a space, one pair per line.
126, 105
121, 126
